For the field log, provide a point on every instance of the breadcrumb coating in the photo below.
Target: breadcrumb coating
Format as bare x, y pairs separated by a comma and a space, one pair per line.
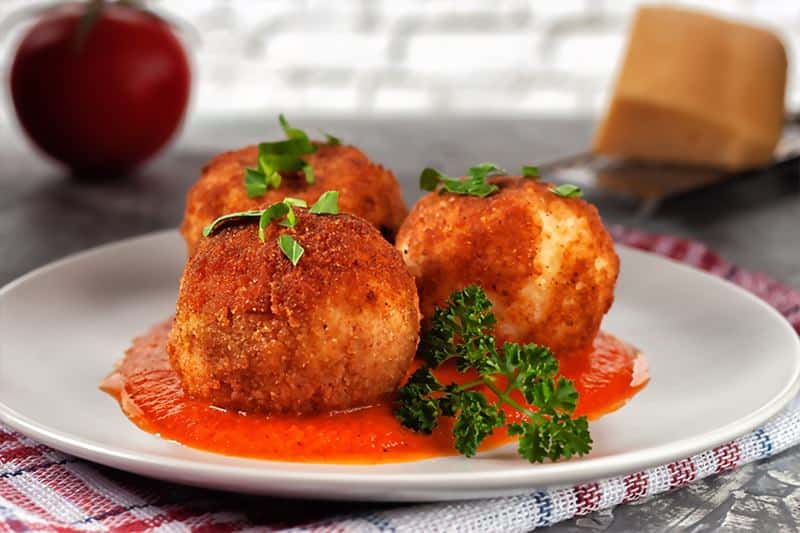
365, 189
254, 333
546, 262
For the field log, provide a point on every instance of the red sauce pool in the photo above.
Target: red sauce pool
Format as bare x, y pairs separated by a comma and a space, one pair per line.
150, 394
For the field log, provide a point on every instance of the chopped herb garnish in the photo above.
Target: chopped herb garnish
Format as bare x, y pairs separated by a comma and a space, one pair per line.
429, 179
567, 190
255, 182
295, 134
331, 140
327, 204
290, 221
530, 172
283, 212
297, 202
308, 171
474, 184
461, 332
211, 228
282, 156
290, 248
273, 212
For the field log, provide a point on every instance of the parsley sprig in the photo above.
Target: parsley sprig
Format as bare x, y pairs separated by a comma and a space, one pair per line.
460, 331
283, 213
282, 156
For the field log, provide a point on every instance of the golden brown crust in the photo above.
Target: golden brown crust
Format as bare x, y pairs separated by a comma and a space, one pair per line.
365, 189
546, 262
253, 332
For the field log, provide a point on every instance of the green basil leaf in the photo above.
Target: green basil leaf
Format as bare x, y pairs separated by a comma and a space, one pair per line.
474, 184
290, 221
255, 182
280, 162
327, 204
429, 179
531, 172
296, 134
567, 190
484, 170
290, 248
309, 172
280, 156
219, 222
297, 202
330, 140
273, 212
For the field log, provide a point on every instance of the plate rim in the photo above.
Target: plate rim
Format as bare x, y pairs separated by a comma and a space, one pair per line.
563, 472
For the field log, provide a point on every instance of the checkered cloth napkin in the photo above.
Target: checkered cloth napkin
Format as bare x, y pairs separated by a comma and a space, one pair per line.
44, 490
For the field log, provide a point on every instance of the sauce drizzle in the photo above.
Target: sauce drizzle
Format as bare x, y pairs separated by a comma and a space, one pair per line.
150, 394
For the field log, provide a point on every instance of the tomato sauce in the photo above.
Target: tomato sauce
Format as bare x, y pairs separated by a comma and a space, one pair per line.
150, 394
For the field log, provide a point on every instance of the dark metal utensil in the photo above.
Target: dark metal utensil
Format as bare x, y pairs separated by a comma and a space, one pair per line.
649, 183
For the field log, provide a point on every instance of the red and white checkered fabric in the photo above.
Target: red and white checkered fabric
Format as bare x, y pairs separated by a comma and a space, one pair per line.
44, 490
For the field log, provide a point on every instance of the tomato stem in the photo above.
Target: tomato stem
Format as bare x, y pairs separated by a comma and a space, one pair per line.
86, 23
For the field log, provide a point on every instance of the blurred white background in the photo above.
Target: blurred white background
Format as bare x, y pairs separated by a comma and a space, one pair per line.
361, 57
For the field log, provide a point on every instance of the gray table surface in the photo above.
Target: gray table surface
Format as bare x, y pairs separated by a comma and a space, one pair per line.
45, 215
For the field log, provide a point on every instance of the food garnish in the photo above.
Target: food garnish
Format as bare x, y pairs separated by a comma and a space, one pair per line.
331, 140
461, 332
290, 248
282, 212
286, 156
327, 204
530, 172
474, 185
567, 190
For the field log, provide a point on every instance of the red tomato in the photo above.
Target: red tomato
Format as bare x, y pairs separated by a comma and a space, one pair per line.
106, 103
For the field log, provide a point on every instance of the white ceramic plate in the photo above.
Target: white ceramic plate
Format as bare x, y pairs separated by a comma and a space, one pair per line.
721, 363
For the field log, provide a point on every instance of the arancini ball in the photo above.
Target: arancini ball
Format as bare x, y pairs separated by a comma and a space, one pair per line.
254, 333
546, 262
365, 189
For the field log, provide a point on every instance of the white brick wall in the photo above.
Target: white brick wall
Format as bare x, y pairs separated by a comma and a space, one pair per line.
414, 56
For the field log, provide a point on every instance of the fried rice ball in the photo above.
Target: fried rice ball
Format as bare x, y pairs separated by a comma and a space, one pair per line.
365, 189
546, 262
254, 333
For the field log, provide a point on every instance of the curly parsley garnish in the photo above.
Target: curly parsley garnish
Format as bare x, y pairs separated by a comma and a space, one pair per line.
282, 156
283, 213
460, 331
474, 184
